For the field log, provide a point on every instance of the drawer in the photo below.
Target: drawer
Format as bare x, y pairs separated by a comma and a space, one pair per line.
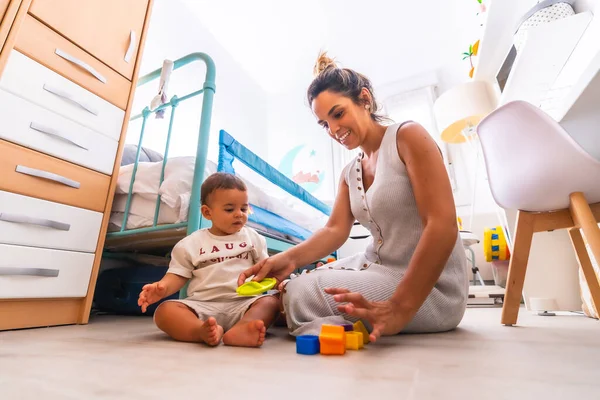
55, 52
3, 7
29, 272
39, 223
35, 127
30, 173
26, 78
110, 30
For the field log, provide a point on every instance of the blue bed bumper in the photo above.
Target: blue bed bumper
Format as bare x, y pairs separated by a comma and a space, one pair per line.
273, 221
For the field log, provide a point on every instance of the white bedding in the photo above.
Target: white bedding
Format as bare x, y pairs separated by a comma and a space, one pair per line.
141, 212
175, 196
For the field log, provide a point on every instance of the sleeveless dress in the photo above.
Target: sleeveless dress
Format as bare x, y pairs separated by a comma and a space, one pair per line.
388, 209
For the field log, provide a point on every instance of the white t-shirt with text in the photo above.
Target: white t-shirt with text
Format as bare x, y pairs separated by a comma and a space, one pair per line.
214, 263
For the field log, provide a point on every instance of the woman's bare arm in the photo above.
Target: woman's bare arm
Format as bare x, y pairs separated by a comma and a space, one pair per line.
322, 243
435, 204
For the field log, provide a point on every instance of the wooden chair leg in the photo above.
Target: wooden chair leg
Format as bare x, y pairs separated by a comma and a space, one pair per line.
584, 218
586, 265
517, 267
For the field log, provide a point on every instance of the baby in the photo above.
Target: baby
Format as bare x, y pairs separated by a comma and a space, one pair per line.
213, 259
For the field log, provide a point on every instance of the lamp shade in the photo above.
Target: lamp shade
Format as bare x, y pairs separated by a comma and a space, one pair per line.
461, 107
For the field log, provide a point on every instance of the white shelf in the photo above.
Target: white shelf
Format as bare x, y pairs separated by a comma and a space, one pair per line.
579, 115
542, 58
580, 73
497, 39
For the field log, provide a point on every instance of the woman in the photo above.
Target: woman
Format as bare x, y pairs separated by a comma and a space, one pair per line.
413, 275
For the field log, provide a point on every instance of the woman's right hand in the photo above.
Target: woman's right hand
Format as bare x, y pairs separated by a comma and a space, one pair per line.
278, 266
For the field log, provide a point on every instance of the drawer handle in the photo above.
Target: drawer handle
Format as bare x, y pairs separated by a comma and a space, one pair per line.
131, 47
70, 97
82, 64
46, 272
53, 132
47, 175
24, 219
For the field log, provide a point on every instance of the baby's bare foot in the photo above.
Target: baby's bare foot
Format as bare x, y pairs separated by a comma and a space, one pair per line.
210, 332
246, 334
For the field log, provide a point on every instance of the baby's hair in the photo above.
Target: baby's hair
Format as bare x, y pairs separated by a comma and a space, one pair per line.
344, 81
220, 180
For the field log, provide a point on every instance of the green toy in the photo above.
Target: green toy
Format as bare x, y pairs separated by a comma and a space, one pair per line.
254, 288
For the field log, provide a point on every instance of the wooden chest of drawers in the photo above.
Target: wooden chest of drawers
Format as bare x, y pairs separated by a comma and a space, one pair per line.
68, 71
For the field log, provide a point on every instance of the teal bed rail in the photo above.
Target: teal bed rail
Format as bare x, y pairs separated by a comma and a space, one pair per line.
229, 149
208, 90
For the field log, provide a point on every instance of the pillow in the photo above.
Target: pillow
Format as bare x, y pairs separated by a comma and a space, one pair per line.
177, 184
179, 173
146, 155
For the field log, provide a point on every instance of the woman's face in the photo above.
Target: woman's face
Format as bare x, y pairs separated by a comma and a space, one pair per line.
346, 122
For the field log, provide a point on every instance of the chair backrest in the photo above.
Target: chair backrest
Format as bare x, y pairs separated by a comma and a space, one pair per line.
532, 162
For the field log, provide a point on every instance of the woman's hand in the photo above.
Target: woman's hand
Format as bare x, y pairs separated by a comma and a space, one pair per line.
385, 317
278, 266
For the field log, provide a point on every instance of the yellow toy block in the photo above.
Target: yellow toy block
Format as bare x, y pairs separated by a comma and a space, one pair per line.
332, 340
360, 327
354, 340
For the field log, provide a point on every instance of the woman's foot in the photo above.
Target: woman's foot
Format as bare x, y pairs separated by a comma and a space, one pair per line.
246, 334
210, 332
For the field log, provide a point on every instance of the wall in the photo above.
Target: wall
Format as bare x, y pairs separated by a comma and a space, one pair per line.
292, 124
240, 104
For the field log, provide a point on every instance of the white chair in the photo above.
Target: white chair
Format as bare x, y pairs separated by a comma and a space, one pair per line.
534, 166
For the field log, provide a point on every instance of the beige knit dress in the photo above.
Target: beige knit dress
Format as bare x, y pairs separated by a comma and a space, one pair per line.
389, 211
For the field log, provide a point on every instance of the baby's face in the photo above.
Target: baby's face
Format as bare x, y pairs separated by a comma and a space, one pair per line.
228, 210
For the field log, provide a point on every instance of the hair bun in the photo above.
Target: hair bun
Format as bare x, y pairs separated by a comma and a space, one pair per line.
323, 63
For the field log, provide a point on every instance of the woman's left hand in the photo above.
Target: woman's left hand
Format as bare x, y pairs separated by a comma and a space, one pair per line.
384, 316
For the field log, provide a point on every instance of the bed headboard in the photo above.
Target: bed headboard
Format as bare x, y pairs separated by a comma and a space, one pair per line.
230, 149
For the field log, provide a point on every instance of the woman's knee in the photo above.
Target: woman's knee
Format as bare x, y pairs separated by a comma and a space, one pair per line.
303, 284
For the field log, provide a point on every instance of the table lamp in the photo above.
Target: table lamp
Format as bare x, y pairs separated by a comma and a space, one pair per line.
458, 111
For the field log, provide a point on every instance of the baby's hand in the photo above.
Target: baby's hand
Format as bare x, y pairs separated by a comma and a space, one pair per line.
150, 294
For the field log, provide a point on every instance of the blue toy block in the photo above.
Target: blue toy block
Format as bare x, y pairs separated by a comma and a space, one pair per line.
308, 344
348, 327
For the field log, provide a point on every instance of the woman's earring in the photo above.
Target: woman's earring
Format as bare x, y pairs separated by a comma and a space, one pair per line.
367, 106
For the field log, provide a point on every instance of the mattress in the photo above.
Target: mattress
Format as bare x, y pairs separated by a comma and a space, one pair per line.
273, 213
141, 214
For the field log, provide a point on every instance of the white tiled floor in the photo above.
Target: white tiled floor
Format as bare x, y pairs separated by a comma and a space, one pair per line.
128, 358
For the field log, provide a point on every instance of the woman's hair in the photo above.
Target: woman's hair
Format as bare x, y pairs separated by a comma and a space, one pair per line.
347, 82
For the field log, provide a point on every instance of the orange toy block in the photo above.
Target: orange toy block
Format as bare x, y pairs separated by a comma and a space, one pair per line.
332, 340
360, 327
354, 340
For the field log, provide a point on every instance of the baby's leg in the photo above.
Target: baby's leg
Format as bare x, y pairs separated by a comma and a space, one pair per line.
181, 323
251, 329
